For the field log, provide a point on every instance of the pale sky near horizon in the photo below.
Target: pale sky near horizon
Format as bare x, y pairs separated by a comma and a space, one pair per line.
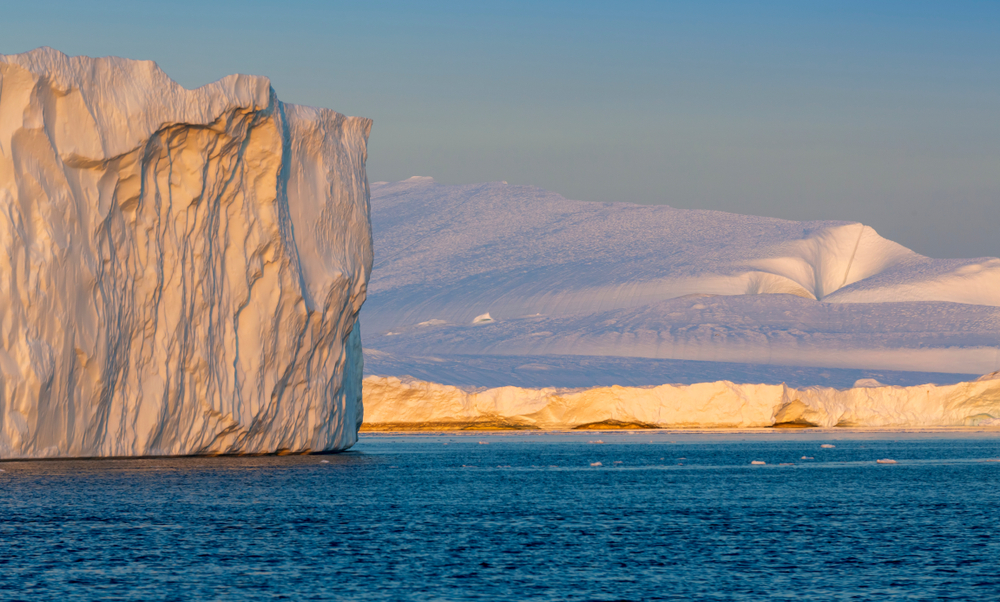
886, 113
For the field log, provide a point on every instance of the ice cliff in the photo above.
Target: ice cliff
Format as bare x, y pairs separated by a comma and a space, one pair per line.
181, 270
408, 404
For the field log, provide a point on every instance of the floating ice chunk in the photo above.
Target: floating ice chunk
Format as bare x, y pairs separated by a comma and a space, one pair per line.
827, 446
758, 462
483, 319
807, 458
324, 461
484, 443
885, 461
596, 464
598, 441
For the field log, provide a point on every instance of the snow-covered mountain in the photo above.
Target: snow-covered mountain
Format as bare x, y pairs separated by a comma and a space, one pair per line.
465, 273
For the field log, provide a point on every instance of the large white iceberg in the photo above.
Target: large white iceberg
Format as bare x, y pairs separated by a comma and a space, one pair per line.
181, 270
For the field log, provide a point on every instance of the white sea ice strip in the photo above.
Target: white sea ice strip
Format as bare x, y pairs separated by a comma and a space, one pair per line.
181, 269
773, 329
409, 403
536, 371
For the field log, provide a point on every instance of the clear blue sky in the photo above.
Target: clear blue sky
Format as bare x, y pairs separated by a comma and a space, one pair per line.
881, 112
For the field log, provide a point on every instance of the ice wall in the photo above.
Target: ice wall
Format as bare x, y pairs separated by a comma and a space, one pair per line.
181, 270
409, 404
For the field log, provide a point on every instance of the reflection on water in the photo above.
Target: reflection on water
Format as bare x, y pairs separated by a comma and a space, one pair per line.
585, 516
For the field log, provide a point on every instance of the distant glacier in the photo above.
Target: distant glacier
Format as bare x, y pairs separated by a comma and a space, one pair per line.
538, 291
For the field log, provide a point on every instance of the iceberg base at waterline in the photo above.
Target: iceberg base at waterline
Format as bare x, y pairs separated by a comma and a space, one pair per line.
404, 403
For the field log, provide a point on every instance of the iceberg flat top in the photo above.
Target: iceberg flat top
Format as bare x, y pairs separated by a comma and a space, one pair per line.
122, 101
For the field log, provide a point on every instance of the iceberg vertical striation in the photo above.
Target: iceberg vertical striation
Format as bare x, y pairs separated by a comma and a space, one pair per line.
181, 270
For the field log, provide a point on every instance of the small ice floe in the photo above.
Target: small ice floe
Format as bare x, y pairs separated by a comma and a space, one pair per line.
596, 464
885, 461
598, 441
807, 458
324, 461
828, 446
758, 462
484, 443
483, 319
682, 458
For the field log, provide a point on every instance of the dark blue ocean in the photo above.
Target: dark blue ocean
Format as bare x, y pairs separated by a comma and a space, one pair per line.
664, 517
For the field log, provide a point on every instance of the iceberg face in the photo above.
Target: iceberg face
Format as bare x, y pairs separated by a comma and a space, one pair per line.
408, 404
181, 269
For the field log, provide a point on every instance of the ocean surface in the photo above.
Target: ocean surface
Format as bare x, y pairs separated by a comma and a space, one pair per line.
582, 516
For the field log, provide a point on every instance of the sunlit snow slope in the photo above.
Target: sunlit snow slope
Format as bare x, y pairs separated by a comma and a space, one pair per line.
532, 279
180, 270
